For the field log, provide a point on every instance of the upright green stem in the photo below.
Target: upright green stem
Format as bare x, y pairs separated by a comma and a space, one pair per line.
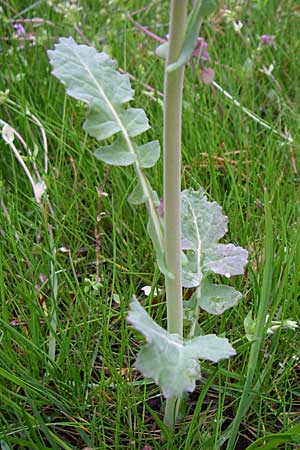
172, 178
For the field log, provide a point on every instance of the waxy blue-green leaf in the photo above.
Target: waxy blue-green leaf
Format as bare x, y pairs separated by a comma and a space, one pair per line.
202, 8
148, 154
89, 76
115, 155
203, 224
160, 257
137, 196
172, 362
162, 50
92, 77
226, 259
135, 121
217, 298
249, 326
103, 124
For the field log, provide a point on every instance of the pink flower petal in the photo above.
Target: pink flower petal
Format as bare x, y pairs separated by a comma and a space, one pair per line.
207, 75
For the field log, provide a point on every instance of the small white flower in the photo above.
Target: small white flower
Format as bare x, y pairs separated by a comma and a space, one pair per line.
272, 329
40, 188
63, 250
288, 324
267, 70
237, 25
147, 291
162, 50
291, 324
8, 134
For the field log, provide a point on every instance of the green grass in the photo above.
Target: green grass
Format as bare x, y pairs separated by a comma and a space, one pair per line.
91, 396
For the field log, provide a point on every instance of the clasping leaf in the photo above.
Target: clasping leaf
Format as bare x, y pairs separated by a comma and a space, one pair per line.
203, 224
173, 363
202, 8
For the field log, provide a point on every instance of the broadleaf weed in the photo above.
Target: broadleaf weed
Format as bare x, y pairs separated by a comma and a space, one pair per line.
184, 228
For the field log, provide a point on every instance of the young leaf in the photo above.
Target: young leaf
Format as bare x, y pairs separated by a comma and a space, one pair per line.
162, 50
137, 196
216, 298
115, 155
249, 326
201, 9
148, 154
203, 224
160, 257
170, 361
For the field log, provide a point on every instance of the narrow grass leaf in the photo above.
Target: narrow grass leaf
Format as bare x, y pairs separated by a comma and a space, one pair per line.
270, 441
260, 326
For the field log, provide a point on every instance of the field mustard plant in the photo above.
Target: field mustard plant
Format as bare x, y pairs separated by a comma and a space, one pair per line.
184, 227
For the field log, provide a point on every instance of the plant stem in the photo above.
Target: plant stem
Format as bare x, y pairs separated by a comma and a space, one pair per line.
173, 88
260, 326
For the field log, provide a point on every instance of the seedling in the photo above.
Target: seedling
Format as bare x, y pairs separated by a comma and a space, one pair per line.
186, 232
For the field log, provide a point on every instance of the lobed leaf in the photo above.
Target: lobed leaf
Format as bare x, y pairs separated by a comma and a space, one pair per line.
137, 196
148, 154
216, 298
226, 260
135, 121
203, 224
92, 77
170, 361
89, 76
114, 154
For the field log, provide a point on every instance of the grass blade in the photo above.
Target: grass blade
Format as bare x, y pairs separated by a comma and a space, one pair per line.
260, 324
276, 439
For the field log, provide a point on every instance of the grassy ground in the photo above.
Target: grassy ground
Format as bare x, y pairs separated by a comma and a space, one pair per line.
91, 397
